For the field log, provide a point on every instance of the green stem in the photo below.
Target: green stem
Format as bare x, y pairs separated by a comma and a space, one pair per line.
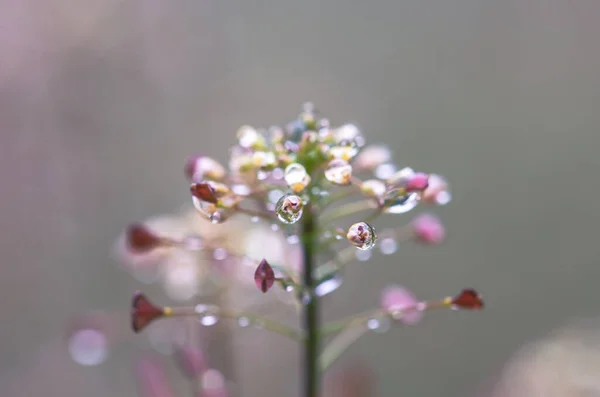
349, 209
311, 306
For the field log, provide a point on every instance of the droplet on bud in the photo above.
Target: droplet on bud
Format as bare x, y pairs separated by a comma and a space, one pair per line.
373, 188
398, 201
468, 299
200, 167
339, 172
428, 229
344, 150
264, 276
204, 191
140, 239
296, 177
289, 208
143, 312
362, 236
401, 303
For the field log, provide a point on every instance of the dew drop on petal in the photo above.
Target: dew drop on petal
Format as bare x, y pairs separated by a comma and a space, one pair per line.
363, 255
338, 172
398, 203
289, 208
88, 347
388, 246
296, 177
362, 236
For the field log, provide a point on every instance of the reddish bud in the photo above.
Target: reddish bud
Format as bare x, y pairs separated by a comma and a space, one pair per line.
417, 183
140, 239
204, 191
428, 229
143, 312
264, 277
468, 299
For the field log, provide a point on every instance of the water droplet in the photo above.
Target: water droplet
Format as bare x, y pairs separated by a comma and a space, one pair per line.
209, 211
345, 150
398, 202
289, 208
338, 172
255, 219
385, 170
363, 255
293, 239
388, 246
209, 320
296, 177
362, 235
289, 288
88, 347
329, 285
243, 321
220, 254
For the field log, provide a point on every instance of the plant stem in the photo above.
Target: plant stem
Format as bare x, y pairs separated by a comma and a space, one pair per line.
311, 307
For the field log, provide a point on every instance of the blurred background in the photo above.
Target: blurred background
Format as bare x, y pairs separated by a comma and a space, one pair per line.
102, 101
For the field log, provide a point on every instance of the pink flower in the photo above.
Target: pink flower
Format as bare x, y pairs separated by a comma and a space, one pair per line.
399, 300
191, 361
428, 229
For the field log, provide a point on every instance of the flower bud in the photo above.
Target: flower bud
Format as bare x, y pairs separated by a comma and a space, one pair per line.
401, 304
428, 229
264, 276
143, 312
468, 299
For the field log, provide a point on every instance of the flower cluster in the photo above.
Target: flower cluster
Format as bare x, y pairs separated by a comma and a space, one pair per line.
305, 179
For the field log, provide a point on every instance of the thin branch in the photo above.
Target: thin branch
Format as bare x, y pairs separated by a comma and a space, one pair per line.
348, 209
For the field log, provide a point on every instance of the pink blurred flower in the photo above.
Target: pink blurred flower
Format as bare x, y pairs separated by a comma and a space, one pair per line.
152, 381
428, 229
191, 360
396, 298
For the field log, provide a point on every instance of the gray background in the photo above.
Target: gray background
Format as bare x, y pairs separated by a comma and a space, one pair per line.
101, 101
